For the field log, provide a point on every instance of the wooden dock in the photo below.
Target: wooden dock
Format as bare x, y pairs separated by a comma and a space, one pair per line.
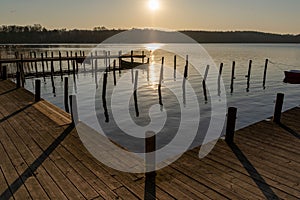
42, 157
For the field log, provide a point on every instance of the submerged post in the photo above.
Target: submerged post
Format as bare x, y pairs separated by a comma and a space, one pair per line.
278, 108
232, 77
74, 109
265, 73
66, 94
230, 128
37, 90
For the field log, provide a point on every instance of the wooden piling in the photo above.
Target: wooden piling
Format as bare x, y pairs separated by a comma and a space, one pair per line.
66, 94
18, 79
92, 61
22, 74
46, 56
150, 148
4, 72
204, 83
186, 67
31, 63
74, 109
131, 56
143, 59
35, 65
104, 97
96, 63
52, 74
160, 81
60, 65
219, 79
135, 93
265, 73
232, 77
278, 108
68, 63
249, 75
74, 70
104, 86
84, 62
120, 61
108, 60
76, 57
230, 128
43, 67
114, 73
37, 90
175, 63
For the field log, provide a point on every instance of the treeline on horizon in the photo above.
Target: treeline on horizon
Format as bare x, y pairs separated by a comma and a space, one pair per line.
37, 34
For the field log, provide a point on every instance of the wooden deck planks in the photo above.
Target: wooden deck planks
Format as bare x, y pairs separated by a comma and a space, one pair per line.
264, 163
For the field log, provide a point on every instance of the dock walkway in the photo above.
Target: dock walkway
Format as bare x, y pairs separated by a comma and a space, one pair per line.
42, 157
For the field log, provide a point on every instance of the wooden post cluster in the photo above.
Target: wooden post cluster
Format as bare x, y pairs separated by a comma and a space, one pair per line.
230, 128
278, 108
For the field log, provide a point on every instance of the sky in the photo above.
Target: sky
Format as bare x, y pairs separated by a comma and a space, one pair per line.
276, 16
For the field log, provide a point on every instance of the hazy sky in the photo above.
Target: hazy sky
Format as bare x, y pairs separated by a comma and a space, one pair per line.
279, 16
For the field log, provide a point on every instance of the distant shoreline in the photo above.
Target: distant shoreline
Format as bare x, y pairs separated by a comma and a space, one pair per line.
96, 37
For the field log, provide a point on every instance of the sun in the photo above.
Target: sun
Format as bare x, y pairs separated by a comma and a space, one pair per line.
153, 5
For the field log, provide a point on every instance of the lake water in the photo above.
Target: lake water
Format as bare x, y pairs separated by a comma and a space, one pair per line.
254, 105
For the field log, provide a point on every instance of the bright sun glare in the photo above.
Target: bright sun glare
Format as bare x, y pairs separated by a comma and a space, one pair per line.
153, 5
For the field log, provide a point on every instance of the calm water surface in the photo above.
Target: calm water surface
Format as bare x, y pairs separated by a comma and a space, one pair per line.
255, 105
